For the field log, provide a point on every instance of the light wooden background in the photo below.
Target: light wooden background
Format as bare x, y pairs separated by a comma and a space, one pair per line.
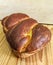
44, 57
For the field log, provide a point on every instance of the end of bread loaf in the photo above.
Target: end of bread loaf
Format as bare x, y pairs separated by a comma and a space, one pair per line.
9, 21
41, 35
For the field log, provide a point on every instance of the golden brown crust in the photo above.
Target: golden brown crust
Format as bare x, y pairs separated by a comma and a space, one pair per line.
40, 37
4, 20
19, 34
9, 21
25, 35
3, 23
15, 19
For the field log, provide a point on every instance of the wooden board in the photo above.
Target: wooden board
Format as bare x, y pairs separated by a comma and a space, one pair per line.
44, 57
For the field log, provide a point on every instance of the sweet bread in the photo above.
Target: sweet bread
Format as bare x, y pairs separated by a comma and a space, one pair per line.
24, 34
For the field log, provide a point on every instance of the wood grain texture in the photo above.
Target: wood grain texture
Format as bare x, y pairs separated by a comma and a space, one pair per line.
43, 57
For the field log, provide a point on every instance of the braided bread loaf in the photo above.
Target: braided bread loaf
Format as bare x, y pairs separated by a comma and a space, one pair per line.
24, 34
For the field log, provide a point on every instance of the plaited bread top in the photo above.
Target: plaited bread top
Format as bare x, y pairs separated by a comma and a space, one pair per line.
25, 34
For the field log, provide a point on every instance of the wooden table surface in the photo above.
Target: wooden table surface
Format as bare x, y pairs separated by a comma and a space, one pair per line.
43, 57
